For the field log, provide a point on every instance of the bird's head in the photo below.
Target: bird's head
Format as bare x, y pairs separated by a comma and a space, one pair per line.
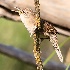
28, 18
26, 12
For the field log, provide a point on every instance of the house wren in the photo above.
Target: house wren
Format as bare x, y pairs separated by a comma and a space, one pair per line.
47, 30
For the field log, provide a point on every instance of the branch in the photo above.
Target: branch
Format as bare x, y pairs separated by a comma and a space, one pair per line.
62, 31
4, 12
57, 12
27, 58
15, 17
36, 36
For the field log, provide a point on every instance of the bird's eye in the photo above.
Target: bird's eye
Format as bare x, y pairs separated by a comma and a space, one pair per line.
23, 11
27, 11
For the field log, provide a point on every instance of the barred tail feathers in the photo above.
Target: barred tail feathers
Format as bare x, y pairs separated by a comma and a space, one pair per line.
54, 41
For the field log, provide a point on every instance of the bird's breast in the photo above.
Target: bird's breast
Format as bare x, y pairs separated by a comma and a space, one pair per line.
29, 23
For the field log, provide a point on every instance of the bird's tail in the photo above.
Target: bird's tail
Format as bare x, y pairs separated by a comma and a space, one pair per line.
54, 41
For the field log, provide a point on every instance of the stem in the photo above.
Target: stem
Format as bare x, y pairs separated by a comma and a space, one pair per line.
37, 52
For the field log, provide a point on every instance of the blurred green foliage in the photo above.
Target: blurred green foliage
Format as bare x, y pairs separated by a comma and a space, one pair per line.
14, 34
67, 67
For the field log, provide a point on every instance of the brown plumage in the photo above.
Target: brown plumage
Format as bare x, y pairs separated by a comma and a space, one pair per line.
47, 30
50, 31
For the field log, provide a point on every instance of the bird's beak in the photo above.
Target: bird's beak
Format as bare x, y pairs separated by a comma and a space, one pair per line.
18, 10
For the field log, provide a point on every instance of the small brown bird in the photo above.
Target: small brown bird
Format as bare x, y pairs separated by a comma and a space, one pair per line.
47, 30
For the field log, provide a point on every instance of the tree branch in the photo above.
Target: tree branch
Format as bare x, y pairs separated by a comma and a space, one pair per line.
55, 11
27, 58
12, 15
7, 13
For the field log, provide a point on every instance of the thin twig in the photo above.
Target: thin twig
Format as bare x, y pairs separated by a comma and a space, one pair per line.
37, 52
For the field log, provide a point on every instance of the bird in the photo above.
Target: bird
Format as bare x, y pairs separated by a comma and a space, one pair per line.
28, 17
